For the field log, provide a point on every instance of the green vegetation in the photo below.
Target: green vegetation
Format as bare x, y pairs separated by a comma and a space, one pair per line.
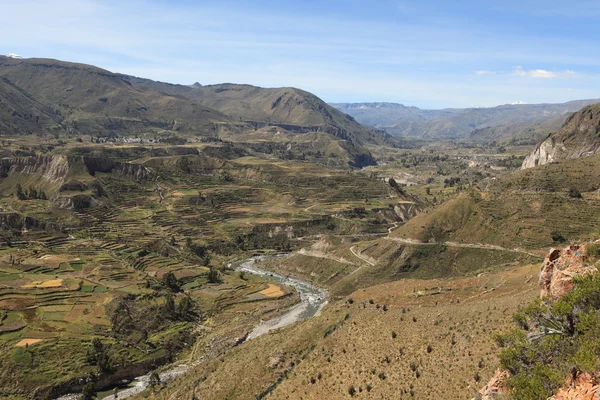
564, 340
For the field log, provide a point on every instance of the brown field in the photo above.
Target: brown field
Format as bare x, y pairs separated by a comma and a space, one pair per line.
272, 291
28, 342
53, 283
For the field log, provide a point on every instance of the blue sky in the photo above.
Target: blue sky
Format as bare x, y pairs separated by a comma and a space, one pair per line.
431, 54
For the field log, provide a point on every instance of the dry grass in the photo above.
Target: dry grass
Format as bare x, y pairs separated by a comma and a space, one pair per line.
386, 342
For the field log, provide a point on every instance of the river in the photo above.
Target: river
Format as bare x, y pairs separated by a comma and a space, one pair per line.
312, 300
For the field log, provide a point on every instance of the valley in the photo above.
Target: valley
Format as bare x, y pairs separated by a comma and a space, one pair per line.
228, 241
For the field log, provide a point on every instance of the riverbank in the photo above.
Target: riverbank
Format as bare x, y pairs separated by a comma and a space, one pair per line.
312, 300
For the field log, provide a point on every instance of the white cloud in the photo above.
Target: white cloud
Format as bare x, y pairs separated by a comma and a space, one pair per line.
482, 72
542, 73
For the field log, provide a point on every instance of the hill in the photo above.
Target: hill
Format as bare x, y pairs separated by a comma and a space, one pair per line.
577, 138
19, 112
43, 95
399, 120
524, 133
91, 100
289, 108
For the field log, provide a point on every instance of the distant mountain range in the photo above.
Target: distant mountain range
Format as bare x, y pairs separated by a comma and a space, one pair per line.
400, 120
44, 95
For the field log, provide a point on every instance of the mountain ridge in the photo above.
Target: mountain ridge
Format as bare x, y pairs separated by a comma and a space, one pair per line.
400, 120
84, 99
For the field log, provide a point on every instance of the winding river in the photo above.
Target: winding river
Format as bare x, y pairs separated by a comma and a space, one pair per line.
312, 301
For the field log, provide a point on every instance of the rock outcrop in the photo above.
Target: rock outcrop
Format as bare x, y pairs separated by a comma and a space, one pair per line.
578, 137
51, 168
583, 387
559, 269
56, 168
21, 222
496, 386
556, 279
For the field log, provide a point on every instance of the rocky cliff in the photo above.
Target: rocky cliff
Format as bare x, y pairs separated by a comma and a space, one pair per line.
20, 222
557, 272
57, 168
578, 137
52, 168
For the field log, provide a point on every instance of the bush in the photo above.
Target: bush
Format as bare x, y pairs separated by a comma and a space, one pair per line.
558, 237
593, 250
213, 276
566, 337
351, 390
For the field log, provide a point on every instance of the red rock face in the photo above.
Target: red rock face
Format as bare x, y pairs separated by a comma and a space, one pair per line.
559, 268
496, 385
584, 387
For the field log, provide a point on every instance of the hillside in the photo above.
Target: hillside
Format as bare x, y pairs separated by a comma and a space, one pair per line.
289, 108
458, 123
43, 95
19, 112
524, 133
577, 138
91, 100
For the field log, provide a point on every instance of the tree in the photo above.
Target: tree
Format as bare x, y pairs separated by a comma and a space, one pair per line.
170, 306
20, 194
154, 380
185, 309
213, 276
89, 391
171, 282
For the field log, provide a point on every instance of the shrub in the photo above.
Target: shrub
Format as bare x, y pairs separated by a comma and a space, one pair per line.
89, 391
557, 237
593, 250
566, 337
213, 276
351, 390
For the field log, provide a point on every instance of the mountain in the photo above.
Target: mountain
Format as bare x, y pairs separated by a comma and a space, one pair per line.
399, 120
578, 137
383, 115
20, 112
524, 133
40, 95
91, 100
290, 108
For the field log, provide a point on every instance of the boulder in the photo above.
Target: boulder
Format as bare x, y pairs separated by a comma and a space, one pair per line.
560, 267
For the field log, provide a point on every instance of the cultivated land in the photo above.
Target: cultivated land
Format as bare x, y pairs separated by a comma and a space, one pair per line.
120, 228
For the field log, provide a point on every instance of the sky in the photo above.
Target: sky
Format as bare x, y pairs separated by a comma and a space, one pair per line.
430, 54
